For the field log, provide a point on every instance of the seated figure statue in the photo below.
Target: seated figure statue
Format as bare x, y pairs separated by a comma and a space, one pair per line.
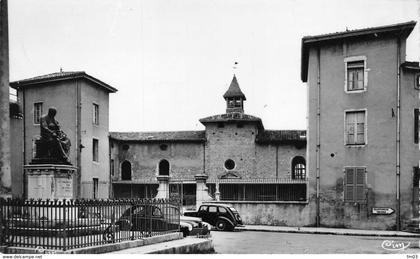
53, 146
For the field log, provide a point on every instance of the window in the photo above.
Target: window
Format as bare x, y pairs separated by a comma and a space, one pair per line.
238, 102
417, 83
37, 112
231, 102
95, 188
355, 184
95, 114
203, 208
212, 209
298, 168
111, 164
126, 170
222, 210
229, 164
416, 125
95, 146
164, 167
355, 128
355, 74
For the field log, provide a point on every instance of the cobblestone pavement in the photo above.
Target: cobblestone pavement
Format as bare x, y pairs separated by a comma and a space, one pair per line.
254, 242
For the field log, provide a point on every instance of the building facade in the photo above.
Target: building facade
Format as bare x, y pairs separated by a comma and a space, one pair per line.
261, 172
82, 104
363, 153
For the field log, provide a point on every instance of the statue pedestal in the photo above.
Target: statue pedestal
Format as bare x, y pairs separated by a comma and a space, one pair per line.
50, 181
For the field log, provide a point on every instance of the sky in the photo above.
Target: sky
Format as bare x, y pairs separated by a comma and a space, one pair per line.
172, 60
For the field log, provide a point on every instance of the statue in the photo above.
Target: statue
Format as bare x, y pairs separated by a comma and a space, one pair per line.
53, 146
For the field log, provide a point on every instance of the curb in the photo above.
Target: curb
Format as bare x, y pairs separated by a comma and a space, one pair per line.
204, 247
332, 233
105, 248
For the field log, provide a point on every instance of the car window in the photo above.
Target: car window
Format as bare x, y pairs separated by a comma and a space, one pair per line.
232, 209
222, 210
156, 212
212, 209
203, 208
139, 210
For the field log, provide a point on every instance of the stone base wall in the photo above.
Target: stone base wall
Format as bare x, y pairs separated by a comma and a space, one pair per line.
274, 214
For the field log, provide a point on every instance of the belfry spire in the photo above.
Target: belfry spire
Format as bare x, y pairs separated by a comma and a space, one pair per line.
234, 97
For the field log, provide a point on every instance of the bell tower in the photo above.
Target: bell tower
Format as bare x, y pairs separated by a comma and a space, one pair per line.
234, 97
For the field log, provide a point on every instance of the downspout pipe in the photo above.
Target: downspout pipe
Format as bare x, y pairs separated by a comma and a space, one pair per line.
398, 167
78, 140
25, 182
318, 136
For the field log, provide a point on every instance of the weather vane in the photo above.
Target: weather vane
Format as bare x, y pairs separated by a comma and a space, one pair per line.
235, 66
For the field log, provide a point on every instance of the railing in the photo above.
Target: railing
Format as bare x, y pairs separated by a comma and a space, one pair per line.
259, 180
71, 224
263, 192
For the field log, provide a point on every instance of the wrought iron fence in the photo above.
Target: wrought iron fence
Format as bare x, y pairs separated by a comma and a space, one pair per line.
71, 224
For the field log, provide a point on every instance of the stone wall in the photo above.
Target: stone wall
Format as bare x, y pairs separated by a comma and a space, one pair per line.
185, 159
5, 172
273, 214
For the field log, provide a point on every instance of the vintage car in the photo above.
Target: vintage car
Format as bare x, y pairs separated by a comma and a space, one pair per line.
192, 226
151, 218
145, 219
222, 216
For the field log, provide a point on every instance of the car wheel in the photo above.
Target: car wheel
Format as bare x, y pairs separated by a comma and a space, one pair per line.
108, 235
221, 225
185, 232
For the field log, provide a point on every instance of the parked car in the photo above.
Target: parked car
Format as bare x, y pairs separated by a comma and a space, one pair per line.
144, 218
192, 226
222, 216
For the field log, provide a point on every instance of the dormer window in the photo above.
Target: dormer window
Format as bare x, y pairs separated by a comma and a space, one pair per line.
238, 102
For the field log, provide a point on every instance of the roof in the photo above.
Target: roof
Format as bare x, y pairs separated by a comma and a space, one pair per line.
396, 30
59, 76
411, 65
234, 90
231, 117
281, 136
160, 136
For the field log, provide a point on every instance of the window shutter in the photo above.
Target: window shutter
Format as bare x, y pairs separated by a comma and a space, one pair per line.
416, 177
416, 126
345, 76
360, 184
365, 76
349, 184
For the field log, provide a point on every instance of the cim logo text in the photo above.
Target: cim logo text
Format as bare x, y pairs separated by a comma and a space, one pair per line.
392, 245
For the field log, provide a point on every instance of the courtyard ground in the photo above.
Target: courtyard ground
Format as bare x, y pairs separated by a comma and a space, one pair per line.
255, 242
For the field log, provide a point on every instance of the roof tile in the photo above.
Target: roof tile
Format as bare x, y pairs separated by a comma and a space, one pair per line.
161, 136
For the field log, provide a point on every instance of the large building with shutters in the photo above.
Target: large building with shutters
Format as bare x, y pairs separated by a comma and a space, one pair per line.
82, 103
363, 134
261, 172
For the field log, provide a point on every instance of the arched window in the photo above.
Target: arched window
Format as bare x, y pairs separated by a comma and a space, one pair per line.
164, 167
126, 170
298, 168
